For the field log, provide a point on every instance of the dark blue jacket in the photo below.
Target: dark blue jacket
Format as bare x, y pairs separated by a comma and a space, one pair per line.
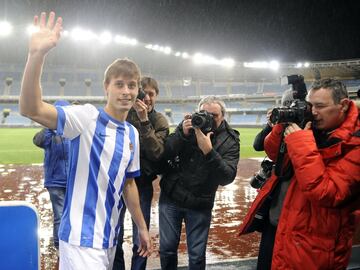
56, 160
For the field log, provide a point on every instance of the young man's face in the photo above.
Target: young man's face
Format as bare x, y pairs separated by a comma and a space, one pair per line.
121, 93
327, 114
215, 110
150, 98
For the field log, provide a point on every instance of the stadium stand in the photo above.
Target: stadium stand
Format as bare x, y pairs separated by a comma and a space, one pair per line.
247, 101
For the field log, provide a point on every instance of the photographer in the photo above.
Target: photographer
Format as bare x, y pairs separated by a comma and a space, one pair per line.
258, 144
314, 226
200, 159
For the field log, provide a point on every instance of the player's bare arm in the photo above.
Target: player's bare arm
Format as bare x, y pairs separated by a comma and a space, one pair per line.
41, 42
131, 198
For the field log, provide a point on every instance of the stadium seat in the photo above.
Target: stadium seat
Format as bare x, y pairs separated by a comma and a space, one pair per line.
19, 240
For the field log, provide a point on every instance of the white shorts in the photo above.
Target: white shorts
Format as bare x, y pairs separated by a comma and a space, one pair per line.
77, 258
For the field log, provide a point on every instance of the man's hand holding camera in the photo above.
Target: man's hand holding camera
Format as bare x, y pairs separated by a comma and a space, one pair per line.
140, 106
141, 110
186, 125
203, 141
293, 127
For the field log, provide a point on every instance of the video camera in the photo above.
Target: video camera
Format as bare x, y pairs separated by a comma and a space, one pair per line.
203, 120
299, 111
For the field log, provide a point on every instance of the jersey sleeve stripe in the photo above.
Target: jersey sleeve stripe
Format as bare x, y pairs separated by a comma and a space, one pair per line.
61, 117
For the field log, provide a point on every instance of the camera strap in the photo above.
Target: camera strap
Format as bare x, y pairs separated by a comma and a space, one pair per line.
281, 154
281, 171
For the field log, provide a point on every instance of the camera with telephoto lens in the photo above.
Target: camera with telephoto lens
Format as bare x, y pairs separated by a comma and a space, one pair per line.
141, 95
259, 179
299, 111
203, 120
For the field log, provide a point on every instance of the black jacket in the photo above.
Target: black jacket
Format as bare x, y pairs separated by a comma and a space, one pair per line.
192, 178
260, 137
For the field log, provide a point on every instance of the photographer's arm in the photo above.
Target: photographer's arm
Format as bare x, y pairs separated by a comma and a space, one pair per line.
272, 142
41, 42
176, 141
260, 138
223, 166
153, 136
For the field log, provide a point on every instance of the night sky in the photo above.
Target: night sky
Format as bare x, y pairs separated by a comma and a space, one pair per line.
287, 31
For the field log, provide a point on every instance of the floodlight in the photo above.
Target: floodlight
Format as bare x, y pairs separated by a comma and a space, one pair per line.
274, 65
149, 46
5, 28
185, 55
126, 41
299, 65
227, 62
307, 64
177, 54
256, 64
105, 37
167, 50
82, 34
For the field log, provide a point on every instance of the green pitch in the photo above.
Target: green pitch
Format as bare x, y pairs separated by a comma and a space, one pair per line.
16, 145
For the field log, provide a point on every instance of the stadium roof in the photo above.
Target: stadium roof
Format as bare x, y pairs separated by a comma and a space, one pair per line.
323, 34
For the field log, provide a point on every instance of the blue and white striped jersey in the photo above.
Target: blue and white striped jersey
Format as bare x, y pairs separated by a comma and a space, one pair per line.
104, 152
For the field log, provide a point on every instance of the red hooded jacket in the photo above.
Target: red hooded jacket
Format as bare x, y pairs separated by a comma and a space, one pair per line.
317, 220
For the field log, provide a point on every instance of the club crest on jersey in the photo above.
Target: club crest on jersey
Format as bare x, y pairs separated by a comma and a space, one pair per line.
131, 147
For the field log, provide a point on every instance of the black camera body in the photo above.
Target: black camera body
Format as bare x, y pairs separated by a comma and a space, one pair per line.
259, 179
299, 111
141, 95
203, 120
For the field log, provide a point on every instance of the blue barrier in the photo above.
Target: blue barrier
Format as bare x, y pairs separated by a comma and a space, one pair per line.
19, 240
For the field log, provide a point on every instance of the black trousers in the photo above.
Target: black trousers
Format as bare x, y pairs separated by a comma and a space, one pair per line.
266, 247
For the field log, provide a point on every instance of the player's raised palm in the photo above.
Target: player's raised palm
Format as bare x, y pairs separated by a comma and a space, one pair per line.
48, 34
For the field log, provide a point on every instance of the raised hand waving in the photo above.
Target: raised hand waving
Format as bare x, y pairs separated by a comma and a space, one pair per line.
48, 34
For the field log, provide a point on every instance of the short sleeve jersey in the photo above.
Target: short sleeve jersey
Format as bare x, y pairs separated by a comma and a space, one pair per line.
104, 153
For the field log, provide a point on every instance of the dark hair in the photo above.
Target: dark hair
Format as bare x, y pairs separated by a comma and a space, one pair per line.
338, 89
149, 82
